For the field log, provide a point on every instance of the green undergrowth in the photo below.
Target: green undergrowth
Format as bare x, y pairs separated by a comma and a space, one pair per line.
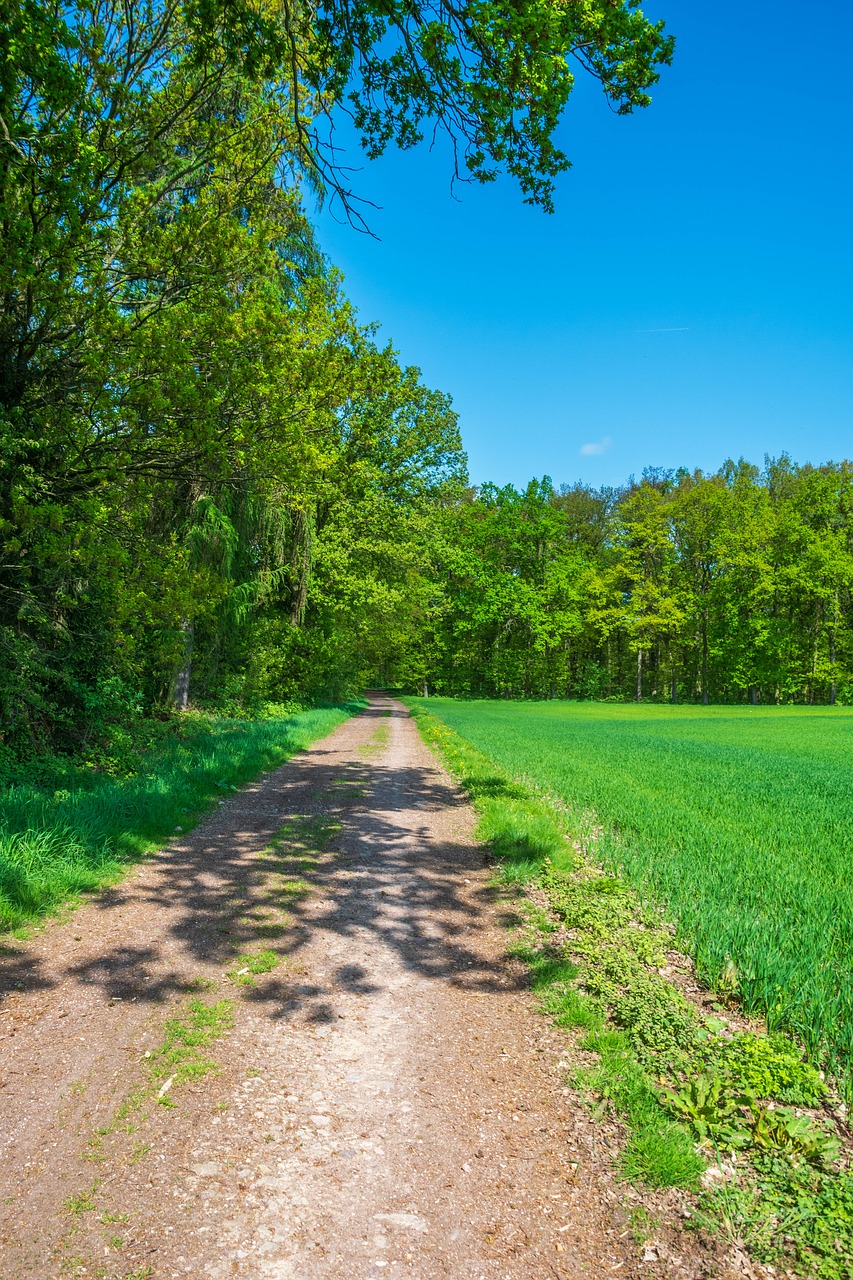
57, 841
738, 1119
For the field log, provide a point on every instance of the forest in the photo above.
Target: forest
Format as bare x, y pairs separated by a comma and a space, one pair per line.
217, 489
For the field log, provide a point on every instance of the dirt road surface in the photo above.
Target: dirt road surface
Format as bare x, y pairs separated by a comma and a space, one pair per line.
388, 1102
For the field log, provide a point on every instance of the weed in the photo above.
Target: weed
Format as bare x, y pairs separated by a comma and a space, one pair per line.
716, 1114
247, 967
292, 890
782, 1127
786, 1211
139, 1150
83, 1202
94, 1151
376, 743
305, 836
643, 1224
180, 1056
659, 1151
771, 1067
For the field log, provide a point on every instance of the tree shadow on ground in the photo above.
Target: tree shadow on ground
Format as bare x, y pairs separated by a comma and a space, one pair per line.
256, 874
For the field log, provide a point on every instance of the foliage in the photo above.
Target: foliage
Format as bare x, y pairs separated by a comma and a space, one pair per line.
787, 1212
730, 587
214, 486
714, 1112
496, 79
185, 392
771, 1067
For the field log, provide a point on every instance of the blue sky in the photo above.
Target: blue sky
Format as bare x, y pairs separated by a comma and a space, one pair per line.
692, 297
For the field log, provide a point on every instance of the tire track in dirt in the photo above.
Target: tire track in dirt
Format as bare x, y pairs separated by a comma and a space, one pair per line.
388, 1102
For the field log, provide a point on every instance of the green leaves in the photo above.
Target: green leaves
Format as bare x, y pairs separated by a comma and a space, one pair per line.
495, 78
714, 1111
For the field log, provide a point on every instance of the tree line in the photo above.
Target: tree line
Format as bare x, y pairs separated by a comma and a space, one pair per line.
731, 587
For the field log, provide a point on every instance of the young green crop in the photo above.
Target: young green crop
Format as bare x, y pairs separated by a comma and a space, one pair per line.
738, 819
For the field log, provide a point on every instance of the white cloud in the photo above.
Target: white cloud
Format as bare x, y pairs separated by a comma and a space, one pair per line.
595, 447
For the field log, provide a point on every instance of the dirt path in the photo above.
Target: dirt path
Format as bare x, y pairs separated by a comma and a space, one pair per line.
388, 1102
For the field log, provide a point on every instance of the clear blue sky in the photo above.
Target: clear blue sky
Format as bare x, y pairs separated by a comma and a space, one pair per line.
690, 299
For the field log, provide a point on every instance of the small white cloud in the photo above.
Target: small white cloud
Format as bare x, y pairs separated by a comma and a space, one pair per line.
595, 447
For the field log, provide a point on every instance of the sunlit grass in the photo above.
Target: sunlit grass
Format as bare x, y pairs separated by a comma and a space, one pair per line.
739, 819
55, 844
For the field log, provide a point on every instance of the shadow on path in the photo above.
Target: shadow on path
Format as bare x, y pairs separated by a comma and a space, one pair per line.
333, 845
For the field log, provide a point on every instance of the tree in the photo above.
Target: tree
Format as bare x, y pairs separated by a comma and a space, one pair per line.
495, 78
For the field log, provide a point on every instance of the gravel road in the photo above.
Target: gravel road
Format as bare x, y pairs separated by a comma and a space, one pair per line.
388, 1101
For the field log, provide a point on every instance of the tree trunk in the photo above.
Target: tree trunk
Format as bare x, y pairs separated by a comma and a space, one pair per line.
833, 688
181, 682
815, 647
639, 675
673, 678
705, 661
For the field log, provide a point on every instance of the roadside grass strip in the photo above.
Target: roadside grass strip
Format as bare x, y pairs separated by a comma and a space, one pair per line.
736, 1118
57, 842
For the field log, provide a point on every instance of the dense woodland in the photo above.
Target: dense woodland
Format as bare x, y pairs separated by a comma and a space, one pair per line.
729, 587
216, 488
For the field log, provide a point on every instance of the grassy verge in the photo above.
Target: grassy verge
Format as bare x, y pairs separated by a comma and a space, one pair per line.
735, 1117
57, 842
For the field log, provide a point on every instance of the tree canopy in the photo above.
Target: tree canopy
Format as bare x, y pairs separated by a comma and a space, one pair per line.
216, 485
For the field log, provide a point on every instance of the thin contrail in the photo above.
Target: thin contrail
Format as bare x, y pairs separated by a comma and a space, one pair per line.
681, 329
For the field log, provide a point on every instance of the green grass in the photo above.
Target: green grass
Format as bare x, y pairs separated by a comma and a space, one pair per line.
57, 843
246, 967
180, 1057
739, 820
687, 1086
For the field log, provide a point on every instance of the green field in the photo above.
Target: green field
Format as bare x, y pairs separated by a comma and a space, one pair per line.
740, 820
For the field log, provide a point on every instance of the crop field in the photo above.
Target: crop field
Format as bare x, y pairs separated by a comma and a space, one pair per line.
740, 820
